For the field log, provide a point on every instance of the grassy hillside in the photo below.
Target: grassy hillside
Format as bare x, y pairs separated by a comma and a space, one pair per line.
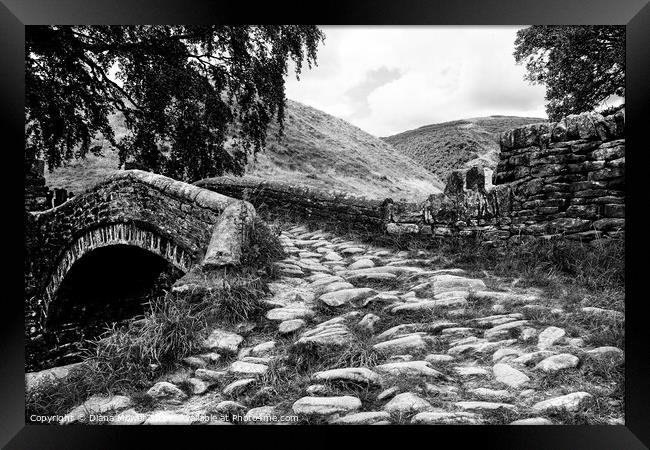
317, 150
443, 147
321, 150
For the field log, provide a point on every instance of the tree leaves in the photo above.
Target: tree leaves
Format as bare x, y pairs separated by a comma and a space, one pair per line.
580, 65
188, 93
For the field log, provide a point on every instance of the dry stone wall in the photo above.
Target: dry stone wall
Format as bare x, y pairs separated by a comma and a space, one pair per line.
553, 179
303, 202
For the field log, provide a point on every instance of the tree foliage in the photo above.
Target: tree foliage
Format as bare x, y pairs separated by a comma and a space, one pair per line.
580, 65
197, 100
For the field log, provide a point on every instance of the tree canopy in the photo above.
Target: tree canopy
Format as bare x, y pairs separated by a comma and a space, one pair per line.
197, 100
580, 65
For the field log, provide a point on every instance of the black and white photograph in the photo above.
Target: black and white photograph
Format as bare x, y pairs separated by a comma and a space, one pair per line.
325, 225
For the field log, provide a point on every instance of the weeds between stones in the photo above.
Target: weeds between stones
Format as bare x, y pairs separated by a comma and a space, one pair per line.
285, 383
310, 358
500, 416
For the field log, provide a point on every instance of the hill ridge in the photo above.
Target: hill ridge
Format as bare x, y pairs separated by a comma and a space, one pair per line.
462, 143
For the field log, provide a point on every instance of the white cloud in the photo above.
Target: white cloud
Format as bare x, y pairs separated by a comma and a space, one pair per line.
436, 74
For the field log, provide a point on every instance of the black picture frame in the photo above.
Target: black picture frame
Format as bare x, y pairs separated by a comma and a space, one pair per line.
635, 14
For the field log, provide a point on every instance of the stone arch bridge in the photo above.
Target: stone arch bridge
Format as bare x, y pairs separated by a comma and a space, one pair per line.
184, 224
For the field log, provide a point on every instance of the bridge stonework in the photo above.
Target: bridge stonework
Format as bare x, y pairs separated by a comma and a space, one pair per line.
172, 219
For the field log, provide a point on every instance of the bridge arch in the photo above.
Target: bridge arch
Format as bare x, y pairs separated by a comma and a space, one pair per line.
121, 233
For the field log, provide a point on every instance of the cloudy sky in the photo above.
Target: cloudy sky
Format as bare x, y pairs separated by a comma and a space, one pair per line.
390, 79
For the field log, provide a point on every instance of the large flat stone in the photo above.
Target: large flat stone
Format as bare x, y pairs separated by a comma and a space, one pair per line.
412, 343
559, 362
532, 421
344, 296
549, 337
446, 418
483, 406
247, 369
509, 376
290, 313
491, 394
407, 403
221, 340
95, 405
409, 368
573, 402
48, 376
326, 406
358, 374
324, 280
238, 386
361, 264
363, 418
168, 418
333, 287
428, 304
478, 346
291, 326
168, 392
446, 282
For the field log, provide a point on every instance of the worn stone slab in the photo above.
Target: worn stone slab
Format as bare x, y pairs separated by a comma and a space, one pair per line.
166, 392
247, 369
291, 326
344, 296
559, 362
509, 376
573, 402
406, 403
446, 418
221, 340
416, 368
326, 406
290, 313
358, 374
362, 418
95, 405
484, 406
549, 337
405, 344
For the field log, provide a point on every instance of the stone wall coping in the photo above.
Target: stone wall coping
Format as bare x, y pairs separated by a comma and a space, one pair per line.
590, 126
306, 191
177, 189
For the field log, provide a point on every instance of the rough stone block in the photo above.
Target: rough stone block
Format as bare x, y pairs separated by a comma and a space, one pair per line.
607, 174
614, 210
609, 224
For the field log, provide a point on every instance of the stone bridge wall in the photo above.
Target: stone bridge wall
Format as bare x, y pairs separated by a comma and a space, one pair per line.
552, 179
303, 202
